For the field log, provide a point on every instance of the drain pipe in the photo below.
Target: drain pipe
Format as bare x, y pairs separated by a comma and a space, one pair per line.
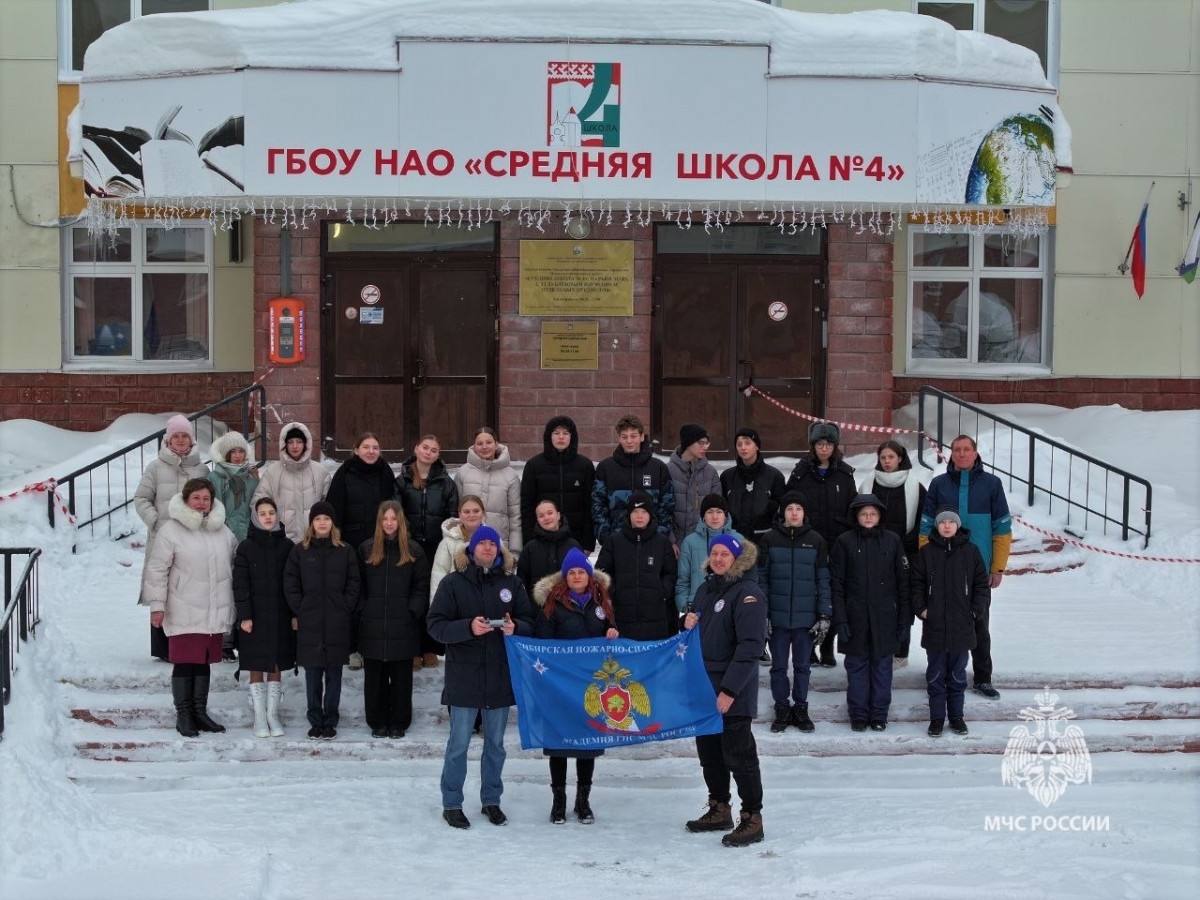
285, 262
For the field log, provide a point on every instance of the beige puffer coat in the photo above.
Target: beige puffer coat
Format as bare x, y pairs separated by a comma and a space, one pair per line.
497, 483
294, 484
453, 541
189, 573
163, 479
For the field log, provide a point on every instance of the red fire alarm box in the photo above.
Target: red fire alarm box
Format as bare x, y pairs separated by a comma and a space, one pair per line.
286, 331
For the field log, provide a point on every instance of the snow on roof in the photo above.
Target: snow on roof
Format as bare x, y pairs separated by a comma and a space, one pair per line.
362, 34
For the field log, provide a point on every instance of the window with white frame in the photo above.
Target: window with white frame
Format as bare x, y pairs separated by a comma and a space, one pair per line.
82, 21
977, 301
140, 296
1029, 23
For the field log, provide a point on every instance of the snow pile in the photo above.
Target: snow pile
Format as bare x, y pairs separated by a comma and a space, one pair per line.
362, 34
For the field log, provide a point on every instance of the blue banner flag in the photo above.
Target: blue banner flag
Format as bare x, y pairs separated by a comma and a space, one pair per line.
594, 694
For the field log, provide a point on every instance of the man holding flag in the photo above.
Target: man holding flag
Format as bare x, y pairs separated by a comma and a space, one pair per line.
731, 611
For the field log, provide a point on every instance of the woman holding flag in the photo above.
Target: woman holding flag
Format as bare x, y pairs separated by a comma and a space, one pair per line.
574, 606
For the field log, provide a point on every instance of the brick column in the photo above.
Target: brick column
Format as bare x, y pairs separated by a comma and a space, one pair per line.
528, 396
859, 368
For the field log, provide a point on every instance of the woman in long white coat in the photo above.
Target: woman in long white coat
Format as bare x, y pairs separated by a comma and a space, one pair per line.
489, 475
188, 585
295, 481
177, 461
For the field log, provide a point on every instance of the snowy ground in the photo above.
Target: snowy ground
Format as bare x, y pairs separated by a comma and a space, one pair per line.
100, 798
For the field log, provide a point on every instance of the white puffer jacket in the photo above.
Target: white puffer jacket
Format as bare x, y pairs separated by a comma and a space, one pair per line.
497, 483
163, 479
189, 573
294, 484
453, 540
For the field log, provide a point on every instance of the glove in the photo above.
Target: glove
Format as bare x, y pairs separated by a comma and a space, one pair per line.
843, 635
819, 629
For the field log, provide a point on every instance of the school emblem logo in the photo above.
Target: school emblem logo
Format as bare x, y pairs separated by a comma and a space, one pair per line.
600, 613
647, 481
505, 595
720, 605
583, 104
614, 701
1046, 760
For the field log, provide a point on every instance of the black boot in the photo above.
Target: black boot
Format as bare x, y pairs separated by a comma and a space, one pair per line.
583, 810
718, 817
783, 718
200, 705
558, 807
181, 693
800, 718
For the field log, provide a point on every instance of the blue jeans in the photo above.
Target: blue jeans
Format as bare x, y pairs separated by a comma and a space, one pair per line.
323, 698
454, 766
946, 683
799, 642
868, 688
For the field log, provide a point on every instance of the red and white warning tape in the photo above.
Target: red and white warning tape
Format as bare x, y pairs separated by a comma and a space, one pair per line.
43, 487
1093, 548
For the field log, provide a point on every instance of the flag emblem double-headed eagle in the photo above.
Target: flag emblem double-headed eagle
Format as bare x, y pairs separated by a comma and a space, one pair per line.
1050, 757
613, 697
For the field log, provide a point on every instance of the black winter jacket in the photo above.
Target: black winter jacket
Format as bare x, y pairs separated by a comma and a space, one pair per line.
356, 491
564, 476
394, 602
641, 562
826, 496
321, 584
896, 516
568, 621
543, 555
733, 630
428, 507
618, 476
950, 585
258, 568
477, 667
753, 494
869, 579
793, 568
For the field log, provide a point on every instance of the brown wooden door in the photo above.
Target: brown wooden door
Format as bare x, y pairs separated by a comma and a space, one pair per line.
721, 323
417, 361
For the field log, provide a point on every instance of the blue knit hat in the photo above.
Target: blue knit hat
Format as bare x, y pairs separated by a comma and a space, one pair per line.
484, 533
576, 559
728, 541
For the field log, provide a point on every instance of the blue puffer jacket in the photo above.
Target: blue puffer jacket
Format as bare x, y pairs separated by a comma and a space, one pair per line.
978, 497
693, 554
794, 572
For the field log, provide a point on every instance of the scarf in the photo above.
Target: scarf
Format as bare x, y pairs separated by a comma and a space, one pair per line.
912, 488
580, 600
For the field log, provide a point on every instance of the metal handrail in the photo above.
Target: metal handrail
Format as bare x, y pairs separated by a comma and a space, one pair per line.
117, 496
21, 605
1078, 474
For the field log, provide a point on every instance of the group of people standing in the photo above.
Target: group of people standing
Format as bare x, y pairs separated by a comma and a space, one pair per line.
391, 571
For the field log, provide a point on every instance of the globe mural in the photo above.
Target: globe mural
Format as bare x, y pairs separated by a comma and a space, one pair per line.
1014, 164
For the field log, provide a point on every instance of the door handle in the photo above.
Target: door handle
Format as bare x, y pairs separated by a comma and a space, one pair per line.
749, 367
418, 380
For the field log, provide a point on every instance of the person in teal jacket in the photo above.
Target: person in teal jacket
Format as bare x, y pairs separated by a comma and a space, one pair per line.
235, 479
693, 552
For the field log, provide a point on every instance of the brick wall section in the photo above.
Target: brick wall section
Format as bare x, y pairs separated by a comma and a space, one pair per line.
1131, 393
859, 369
529, 396
89, 401
293, 392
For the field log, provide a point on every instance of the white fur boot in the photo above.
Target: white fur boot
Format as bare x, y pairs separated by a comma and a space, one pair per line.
258, 700
274, 695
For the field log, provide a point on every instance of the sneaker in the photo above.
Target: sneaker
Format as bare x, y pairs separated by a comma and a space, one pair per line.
455, 818
379, 732
718, 817
858, 726
958, 726
228, 655
328, 733
765, 659
395, 733
356, 661
800, 718
879, 726
783, 718
495, 814
986, 690
315, 732
935, 728
749, 831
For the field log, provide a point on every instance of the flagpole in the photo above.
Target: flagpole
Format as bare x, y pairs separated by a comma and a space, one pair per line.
1123, 268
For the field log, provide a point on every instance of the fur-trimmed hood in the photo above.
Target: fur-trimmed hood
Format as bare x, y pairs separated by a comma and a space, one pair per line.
306, 456
461, 561
743, 564
543, 586
193, 520
231, 440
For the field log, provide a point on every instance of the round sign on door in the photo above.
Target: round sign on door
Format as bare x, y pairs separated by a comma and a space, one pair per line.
777, 311
370, 294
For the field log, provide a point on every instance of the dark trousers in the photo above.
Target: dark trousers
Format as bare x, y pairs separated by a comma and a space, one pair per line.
981, 656
799, 643
323, 684
732, 752
158, 643
387, 692
946, 683
584, 770
827, 646
868, 688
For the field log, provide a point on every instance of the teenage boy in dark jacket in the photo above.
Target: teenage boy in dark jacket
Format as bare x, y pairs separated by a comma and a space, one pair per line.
641, 562
562, 474
950, 592
481, 591
632, 467
732, 614
794, 572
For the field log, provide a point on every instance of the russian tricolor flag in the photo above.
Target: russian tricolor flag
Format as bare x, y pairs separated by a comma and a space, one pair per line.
1139, 253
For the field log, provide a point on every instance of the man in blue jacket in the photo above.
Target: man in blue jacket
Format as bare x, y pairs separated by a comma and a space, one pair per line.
978, 497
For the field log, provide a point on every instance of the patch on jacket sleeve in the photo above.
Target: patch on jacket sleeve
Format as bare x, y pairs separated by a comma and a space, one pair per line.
749, 598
